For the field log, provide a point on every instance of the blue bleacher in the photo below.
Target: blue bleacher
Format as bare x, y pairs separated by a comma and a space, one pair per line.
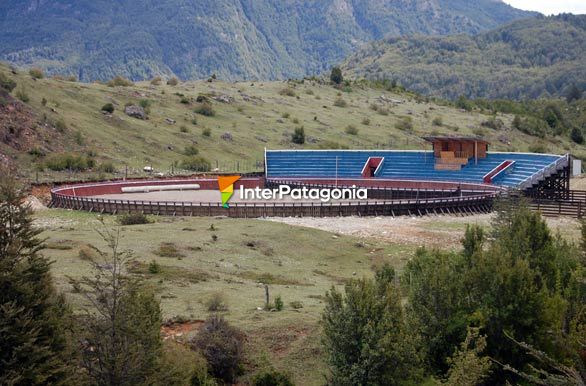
413, 165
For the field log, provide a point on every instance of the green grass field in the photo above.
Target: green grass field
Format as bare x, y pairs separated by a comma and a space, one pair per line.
300, 264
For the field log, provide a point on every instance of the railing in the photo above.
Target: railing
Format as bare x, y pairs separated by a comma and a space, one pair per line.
494, 173
540, 174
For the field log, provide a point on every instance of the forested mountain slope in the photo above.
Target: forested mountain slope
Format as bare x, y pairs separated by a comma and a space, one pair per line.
532, 58
236, 39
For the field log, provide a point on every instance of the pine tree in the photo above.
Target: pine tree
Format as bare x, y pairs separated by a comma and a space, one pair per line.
34, 318
336, 75
123, 342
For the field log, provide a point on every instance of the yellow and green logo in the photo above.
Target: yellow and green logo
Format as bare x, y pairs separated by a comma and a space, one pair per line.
226, 184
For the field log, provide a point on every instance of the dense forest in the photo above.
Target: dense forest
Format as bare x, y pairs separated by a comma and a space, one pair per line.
266, 39
540, 57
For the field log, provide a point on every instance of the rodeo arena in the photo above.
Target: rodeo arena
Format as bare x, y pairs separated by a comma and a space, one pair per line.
458, 176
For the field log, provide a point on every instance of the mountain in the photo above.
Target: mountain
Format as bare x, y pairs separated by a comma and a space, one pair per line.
236, 39
531, 58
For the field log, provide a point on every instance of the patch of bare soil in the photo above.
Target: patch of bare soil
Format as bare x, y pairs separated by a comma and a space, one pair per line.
180, 330
419, 231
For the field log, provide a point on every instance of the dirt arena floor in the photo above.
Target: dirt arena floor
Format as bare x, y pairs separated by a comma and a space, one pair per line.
200, 196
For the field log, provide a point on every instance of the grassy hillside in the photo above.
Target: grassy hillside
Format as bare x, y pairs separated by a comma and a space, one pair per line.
532, 58
247, 39
65, 117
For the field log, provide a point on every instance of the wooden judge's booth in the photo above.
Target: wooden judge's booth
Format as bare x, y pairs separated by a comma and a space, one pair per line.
451, 153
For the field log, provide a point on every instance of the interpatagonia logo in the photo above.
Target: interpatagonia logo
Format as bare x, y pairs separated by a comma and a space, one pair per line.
226, 184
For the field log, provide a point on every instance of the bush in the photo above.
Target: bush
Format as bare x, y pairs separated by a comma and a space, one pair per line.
190, 150
437, 121
336, 75
216, 303
185, 100
279, 303
298, 136
296, 304
205, 109
577, 136
154, 267
86, 253
405, 124
156, 81
493, 123
222, 345
120, 82
366, 121
272, 378
107, 167
537, 148
196, 164
144, 103
108, 107
60, 125
339, 102
173, 81
206, 132
74, 162
36, 73
183, 129
22, 95
351, 129
285, 115
168, 250
133, 219
6, 83
383, 111
288, 91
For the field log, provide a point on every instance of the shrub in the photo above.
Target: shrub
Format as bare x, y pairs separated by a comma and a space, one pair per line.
190, 150
154, 267
366, 121
272, 378
22, 95
537, 148
73, 162
206, 132
108, 107
373, 107
184, 100
351, 129
144, 103
196, 164
298, 136
285, 115
168, 250
296, 304
86, 253
133, 219
205, 109
479, 132
405, 124
107, 167
222, 345
577, 136
336, 75
156, 81
279, 303
383, 111
288, 91
173, 81
216, 303
309, 92
60, 125
6, 83
295, 121
36, 73
437, 121
493, 123
339, 102
120, 82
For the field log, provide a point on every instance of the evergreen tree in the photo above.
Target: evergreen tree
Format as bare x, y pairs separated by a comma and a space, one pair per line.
365, 335
573, 94
34, 318
122, 342
336, 75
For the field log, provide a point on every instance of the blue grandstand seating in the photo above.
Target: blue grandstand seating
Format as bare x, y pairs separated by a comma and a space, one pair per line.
413, 165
